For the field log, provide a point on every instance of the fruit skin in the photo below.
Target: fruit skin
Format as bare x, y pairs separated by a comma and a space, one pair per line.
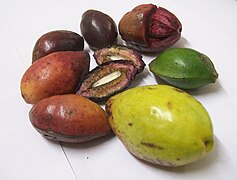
184, 68
149, 28
54, 74
58, 40
161, 124
98, 29
69, 118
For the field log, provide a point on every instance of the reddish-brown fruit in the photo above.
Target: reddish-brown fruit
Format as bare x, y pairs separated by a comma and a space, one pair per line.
149, 28
69, 118
54, 74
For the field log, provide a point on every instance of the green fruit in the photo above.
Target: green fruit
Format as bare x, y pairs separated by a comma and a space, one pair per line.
161, 124
184, 68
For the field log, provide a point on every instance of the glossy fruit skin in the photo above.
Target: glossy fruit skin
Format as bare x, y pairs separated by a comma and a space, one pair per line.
54, 74
161, 124
98, 29
69, 118
58, 40
184, 68
149, 28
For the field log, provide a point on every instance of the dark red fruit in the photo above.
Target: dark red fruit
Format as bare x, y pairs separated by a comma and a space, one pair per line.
54, 41
98, 29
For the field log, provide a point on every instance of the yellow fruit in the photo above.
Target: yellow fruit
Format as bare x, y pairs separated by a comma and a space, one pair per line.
161, 124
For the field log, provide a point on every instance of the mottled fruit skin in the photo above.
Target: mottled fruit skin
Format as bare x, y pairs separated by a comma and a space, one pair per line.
161, 124
149, 28
54, 74
98, 29
54, 41
69, 118
184, 68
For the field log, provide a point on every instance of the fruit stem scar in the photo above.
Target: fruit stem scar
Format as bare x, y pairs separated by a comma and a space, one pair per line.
110, 77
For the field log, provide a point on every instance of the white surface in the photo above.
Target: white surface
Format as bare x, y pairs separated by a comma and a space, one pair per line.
208, 26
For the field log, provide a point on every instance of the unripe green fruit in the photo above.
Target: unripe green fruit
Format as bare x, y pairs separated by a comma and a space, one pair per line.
184, 68
161, 124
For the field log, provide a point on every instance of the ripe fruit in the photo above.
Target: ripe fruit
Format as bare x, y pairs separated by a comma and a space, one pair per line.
58, 40
149, 28
115, 52
54, 74
69, 118
98, 29
161, 124
107, 79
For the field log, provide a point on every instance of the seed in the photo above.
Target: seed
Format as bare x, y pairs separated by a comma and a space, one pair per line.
108, 78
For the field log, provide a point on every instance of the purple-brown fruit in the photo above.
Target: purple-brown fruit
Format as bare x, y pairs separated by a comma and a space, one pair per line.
107, 79
115, 53
69, 118
54, 41
98, 29
149, 28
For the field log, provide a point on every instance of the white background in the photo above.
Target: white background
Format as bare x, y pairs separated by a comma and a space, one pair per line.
208, 26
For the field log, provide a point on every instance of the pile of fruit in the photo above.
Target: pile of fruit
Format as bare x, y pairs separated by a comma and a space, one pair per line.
161, 124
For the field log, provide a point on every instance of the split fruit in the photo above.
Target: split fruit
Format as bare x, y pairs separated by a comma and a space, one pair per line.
107, 79
116, 52
161, 124
149, 28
